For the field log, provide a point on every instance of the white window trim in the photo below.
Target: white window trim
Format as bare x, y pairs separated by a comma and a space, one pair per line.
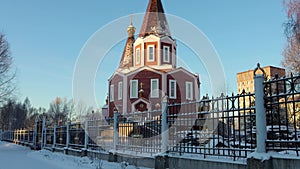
138, 53
168, 54
120, 90
131, 89
112, 93
175, 90
187, 84
148, 52
155, 92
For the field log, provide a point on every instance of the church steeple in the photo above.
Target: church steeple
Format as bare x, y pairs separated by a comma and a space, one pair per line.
127, 56
155, 21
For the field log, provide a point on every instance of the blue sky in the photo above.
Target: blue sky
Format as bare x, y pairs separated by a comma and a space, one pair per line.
46, 38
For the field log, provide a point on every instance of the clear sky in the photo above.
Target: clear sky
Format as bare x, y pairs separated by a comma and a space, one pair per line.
46, 37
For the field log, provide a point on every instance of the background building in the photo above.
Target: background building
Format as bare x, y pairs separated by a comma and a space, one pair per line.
245, 80
245, 83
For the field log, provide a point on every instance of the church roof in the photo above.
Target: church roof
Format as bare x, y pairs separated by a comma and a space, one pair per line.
127, 56
126, 60
155, 21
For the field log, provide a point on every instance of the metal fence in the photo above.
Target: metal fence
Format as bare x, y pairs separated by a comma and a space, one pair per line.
220, 126
282, 100
22, 136
76, 135
49, 137
140, 132
100, 134
60, 136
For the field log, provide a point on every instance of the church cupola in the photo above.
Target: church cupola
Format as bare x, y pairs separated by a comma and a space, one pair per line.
127, 56
131, 30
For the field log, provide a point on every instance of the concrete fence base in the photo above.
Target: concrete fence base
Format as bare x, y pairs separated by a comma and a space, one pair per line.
185, 163
181, 162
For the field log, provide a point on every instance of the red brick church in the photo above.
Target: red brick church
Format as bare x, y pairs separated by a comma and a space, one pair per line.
148, 69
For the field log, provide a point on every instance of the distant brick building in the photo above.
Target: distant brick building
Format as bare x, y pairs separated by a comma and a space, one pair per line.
245, 80
148, 68
245, 83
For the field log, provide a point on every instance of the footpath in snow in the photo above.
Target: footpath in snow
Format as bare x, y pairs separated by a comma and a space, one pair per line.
14, 156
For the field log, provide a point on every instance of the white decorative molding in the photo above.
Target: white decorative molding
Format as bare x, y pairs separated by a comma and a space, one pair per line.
147, 102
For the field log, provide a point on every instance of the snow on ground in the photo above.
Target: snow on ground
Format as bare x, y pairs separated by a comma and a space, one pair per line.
19, 157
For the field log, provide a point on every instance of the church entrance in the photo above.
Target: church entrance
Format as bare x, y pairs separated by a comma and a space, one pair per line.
141, 105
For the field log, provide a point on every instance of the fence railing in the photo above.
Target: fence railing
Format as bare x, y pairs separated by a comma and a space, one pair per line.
22, 136
220, 126
282, 100
140, 132
100, 135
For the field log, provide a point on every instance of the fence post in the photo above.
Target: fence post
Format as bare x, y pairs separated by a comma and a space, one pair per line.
43, 132
28, 136
116, 129
261, 132
23, 136
54, 137
17, 136
68, 135
34, 139
164, 125
86, 134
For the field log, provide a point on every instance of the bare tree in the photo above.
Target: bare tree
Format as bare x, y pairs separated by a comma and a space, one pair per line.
13, 115
292, 26
72, 114
59, 111
7, 76
81, 110
291, 53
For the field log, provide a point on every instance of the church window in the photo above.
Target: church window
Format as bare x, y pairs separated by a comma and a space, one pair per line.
154, 88
134, 88
166, 54
120, 90
189, 90
151, 53
172, 89
138, 55
112, 92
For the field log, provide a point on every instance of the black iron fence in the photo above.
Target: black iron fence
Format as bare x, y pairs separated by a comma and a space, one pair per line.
60, 136
76, 135
221, 126
282, 101
49, 137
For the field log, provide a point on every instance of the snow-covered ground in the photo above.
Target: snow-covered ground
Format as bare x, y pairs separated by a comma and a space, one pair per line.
18, 157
